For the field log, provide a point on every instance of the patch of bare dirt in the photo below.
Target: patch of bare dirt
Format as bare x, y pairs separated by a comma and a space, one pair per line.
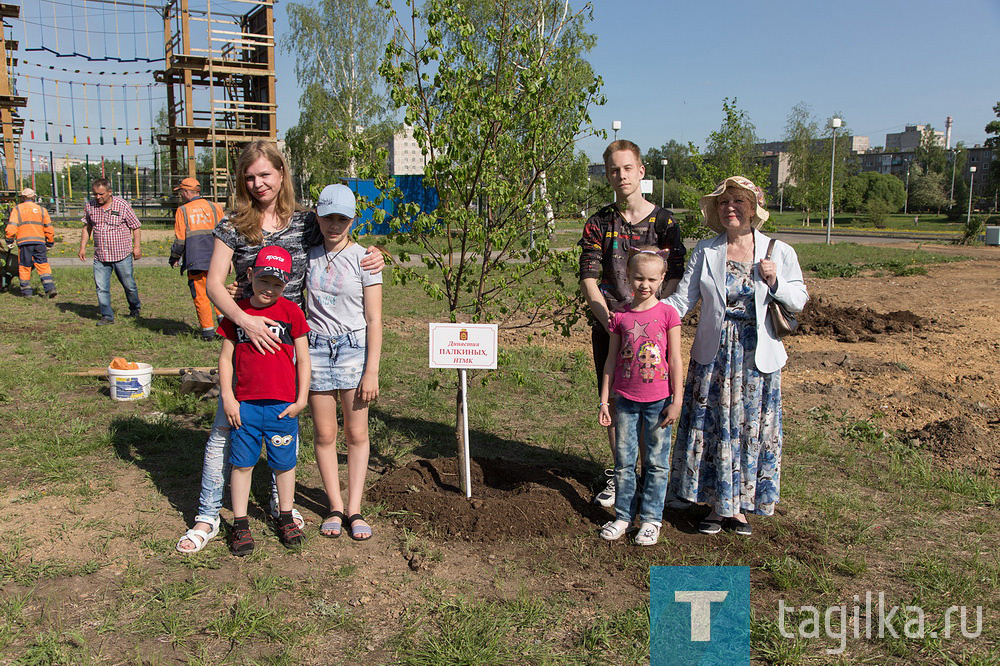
541, 501
960, 443
915, 350
857, 324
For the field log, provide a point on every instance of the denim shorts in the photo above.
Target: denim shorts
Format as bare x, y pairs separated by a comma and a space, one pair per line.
260, 423
337, 361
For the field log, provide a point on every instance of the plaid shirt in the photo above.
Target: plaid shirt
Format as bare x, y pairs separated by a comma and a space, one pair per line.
112, 228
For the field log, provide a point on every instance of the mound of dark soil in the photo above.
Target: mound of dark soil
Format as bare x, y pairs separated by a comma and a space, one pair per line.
856, 324
509, 500
962, 443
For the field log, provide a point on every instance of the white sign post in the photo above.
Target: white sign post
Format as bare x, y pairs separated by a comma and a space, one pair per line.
463, 346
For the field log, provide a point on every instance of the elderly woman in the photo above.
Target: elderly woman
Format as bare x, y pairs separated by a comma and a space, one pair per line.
728, 448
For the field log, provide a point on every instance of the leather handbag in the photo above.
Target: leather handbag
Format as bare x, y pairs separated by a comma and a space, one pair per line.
783, 321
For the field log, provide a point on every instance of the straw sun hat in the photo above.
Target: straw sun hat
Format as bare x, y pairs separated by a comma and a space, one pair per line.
710, 210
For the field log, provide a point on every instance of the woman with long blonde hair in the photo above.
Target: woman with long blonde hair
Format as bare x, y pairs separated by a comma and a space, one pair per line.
265, 212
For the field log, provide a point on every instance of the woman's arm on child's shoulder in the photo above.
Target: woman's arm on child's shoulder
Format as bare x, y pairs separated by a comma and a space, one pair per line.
303, 376
374, 260
373, 316
604, 413
229, 403
674, 371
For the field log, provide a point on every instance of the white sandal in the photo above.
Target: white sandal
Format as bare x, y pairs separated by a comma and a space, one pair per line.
649, 534
199, 537
613, 530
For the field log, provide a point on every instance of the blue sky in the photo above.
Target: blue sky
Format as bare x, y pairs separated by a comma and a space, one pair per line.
666, 65
883, 64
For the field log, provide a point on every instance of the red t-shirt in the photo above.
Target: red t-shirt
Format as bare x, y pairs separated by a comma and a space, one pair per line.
641, 372
266, 376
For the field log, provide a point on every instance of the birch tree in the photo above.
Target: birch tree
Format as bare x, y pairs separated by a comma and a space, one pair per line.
492, 110
338, 45
554, 34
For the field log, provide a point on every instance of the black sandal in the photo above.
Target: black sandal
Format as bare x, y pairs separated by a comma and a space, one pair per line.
741, 527
356, 534
291, 534
241, 542
327, 531
710, 526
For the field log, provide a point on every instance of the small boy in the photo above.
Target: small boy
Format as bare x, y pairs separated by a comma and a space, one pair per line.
268, 393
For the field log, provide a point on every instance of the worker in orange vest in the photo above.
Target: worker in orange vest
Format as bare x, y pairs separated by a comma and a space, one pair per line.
31, 228
194, 223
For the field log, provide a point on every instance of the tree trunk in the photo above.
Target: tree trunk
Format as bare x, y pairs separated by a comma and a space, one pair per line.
550, 215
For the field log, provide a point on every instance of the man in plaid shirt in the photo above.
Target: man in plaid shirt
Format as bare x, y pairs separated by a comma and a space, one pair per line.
115, 229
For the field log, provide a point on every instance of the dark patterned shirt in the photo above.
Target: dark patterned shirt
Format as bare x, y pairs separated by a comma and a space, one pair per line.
300, 233
607, 237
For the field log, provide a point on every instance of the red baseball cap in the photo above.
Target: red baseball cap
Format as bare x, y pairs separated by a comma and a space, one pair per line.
273, 260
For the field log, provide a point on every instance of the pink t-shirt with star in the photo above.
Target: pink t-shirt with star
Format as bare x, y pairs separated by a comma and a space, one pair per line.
641, 372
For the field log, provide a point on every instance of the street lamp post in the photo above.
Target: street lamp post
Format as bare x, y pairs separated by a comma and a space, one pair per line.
663, 181
972, 180
616, 125
833, 124
954, 160
906, 198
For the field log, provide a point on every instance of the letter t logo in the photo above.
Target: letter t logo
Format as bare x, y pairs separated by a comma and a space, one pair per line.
701, 610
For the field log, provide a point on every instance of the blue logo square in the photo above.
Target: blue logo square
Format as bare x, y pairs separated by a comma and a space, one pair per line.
699, 616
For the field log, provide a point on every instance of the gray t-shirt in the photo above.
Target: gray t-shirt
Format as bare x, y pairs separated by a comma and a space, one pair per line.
335, 285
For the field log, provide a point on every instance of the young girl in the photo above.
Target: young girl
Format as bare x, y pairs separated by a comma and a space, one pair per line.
646, 402
345, 344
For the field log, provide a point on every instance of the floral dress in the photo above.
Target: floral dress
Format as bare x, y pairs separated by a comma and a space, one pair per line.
728, 448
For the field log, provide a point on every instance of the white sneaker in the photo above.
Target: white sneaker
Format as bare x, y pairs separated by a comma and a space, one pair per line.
606, 497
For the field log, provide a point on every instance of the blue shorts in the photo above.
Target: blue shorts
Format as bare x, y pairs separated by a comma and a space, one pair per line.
261, 423
337, 361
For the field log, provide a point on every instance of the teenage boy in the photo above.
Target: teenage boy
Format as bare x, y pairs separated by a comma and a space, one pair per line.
631, 221
269, 392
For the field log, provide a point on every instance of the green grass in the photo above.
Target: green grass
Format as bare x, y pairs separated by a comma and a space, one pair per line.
850, 259
844, 222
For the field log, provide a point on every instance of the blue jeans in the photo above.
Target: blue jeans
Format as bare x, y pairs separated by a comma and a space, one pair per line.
102, 280
635, 419
216, 468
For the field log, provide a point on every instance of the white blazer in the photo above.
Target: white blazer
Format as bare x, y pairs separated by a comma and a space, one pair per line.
705, 279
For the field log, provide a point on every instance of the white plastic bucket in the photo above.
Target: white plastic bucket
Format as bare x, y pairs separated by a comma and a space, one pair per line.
130, 384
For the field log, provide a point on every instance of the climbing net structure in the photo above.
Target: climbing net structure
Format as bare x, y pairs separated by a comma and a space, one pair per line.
140, 92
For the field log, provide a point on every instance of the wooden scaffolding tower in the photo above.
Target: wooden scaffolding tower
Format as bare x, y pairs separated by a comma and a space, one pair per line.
219, 74
11, 125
